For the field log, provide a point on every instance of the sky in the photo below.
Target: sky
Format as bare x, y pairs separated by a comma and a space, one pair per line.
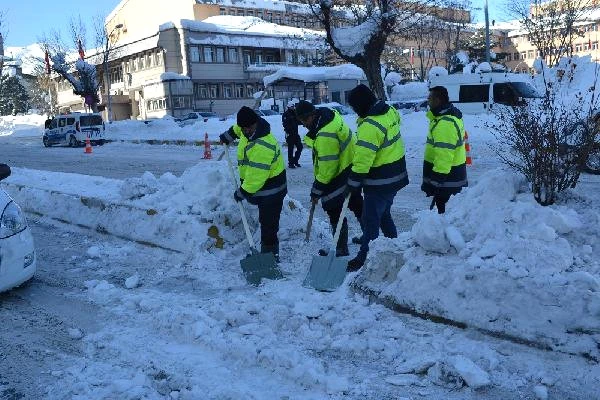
28, 20
25, 27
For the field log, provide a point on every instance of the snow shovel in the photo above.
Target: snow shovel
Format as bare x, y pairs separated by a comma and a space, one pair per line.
310, 219
328, 272
255, 266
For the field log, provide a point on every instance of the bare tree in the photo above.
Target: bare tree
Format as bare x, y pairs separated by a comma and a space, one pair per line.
551, 26
358, 32
549, 141
453, 27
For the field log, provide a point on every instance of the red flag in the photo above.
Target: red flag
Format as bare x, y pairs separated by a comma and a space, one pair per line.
47, 60
81, 53
590, 42
412, 55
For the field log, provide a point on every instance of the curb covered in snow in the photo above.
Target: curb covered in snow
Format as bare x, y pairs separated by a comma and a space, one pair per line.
82, 211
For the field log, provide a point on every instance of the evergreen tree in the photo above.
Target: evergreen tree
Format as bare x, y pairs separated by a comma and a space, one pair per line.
475, 47
13, 96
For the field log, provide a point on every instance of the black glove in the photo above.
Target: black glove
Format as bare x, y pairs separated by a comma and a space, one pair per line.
238, 195
224, 139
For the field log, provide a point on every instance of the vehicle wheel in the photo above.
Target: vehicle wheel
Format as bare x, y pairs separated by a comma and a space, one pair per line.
592, 165
46, 142
73, 142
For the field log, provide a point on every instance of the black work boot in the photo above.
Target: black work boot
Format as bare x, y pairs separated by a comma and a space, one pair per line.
271, 249
357, 262
357, 239
339, 252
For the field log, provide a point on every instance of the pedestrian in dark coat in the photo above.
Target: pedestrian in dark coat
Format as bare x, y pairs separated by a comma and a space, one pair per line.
290, 126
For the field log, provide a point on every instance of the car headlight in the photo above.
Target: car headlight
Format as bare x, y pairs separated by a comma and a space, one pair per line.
12, 220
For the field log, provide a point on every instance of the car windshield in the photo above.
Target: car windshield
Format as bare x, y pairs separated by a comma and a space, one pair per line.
526, 90
268, 112
90, 120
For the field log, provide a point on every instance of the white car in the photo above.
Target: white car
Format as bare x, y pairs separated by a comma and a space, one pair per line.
194, 117
17, 253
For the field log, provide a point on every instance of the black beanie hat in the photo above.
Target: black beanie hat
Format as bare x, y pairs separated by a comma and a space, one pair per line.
304, 109
246, 117
361, 99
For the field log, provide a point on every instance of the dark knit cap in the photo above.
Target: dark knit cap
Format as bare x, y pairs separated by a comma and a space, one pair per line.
246, 117
361, 99
304, 109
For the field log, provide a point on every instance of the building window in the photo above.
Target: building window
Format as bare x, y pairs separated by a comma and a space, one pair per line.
158, 58
195, 54
222, 11
232, 55
258, 57
269, 16
289, 57
586, 46
156, 104
523, 55
220, 55
150, 60
200, 91
250, 90
181, 102
595, 46
227, 91
577, 48
141, 64
247, 57
208, 54
260, 14
509, 57
239, 91
214, 91
530, 54
240, 11
250, 13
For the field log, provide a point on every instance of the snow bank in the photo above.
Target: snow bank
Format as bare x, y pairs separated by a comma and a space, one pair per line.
189, 213
353, 40
500, 262
22, 125
316, 74
410, 91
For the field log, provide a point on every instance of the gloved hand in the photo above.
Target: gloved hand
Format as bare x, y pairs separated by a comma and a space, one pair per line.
223, 138
314, 198
238, 195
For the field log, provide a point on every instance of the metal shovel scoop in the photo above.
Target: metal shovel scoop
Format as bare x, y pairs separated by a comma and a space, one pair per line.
327, 273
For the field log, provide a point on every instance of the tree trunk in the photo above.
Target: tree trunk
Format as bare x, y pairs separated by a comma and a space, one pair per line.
372, 68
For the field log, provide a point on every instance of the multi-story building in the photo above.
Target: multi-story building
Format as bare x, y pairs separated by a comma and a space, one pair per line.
170, 62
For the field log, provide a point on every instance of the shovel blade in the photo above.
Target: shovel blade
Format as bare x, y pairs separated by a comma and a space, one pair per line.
259, 266
326, 273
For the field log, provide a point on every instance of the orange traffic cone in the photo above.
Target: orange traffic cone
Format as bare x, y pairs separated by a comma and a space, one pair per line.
88, 146
468, 149
207, 153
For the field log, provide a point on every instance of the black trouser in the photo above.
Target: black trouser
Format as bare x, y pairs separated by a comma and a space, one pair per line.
440, 202
355, 204
293, 141
268, 216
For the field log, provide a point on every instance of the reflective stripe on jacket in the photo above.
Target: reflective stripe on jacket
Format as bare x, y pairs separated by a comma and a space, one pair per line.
444, 165
260, 164
332, 144
379, 162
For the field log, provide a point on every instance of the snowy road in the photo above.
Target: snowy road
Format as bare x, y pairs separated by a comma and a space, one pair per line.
77, 332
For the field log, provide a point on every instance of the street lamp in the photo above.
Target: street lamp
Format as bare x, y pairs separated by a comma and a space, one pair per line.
106, 77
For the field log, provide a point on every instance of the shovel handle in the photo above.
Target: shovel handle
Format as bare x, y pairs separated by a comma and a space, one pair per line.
244, 220
432, 203
338, 228
310, 220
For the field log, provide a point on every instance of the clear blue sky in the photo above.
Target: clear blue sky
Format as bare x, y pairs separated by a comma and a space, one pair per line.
27, 20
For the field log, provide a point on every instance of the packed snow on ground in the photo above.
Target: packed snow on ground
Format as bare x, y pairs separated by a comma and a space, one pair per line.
500, 262
22, 125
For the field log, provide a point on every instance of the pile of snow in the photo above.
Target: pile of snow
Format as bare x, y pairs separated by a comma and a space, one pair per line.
353, 40
437, 71
500, 262
410, 91
22, 125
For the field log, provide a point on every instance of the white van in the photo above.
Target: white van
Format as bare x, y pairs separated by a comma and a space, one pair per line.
481, 92
72, 129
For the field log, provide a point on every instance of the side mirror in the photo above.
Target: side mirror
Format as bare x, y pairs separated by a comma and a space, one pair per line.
4, 171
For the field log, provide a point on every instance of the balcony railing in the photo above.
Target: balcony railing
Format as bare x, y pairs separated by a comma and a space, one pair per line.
265, 66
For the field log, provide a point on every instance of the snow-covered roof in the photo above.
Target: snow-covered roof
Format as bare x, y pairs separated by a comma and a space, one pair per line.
316, 74
249, 31
168, 76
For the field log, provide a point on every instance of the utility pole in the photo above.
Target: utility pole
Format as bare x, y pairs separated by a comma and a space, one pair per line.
487, 33
106, 72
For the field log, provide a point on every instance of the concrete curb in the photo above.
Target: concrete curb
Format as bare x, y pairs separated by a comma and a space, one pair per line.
170, 231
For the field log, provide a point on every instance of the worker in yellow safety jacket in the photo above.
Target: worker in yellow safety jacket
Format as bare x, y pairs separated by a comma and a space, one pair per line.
262, 173
444, 164
378, 166
332, 145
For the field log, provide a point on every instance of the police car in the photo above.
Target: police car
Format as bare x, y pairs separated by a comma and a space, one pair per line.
17, 253
73, 129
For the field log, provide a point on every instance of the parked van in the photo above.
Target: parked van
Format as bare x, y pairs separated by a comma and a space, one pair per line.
481, 92
72, 129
